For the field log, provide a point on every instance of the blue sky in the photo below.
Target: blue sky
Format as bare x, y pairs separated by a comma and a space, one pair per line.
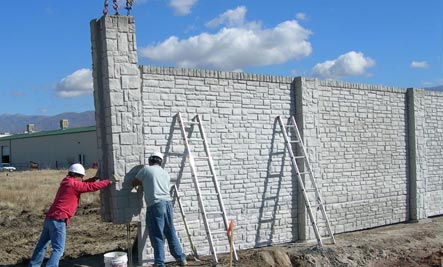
46, 57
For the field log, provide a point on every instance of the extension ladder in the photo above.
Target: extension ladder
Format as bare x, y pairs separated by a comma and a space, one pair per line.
294, 137
196, 121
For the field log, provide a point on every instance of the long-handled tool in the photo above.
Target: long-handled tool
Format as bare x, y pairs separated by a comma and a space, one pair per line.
128, 237
193, 248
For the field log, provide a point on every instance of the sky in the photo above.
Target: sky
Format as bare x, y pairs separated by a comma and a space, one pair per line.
46, 62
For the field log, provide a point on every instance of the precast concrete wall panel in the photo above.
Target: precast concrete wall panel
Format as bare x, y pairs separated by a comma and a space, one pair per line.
358, 134
433, 162
239, 113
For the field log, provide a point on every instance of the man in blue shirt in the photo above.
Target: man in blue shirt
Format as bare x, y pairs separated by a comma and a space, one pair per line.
159, 213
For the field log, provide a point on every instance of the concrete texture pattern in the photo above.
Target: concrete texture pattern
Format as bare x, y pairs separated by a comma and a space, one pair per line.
375, 150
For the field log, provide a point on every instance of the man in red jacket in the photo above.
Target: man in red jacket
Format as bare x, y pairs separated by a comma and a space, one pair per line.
61, 211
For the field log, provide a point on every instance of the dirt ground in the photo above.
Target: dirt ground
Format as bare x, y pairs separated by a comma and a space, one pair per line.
415, 244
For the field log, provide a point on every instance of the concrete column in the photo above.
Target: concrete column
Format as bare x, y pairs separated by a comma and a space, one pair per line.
117, 101
417, 155
302, 220
308, 118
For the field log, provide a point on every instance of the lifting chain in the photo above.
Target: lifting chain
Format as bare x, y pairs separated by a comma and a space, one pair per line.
105, 10
129, 6
115, 6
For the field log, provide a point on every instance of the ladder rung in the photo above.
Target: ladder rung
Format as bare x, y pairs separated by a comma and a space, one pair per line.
209, 194
299, 157
214, 213
304, 172
294, 141
310, 190
201, 176
176, 154
196, 139
193, 212
201, 158
205, 176
189, 122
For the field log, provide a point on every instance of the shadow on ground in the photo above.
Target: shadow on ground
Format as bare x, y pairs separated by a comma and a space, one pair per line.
94, 260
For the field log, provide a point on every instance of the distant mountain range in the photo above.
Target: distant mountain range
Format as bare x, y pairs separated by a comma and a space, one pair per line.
437, 88
16, 123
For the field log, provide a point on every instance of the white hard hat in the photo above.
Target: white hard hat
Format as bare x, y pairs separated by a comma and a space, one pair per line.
157, 154
77, 168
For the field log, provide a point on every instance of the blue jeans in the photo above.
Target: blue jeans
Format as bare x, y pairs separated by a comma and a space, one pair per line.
54, 231
159, 221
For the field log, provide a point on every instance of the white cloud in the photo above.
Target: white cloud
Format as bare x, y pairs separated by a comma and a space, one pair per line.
231, 18
419, 64
349, 64
76, 84
301, 16
182, 7
237, 45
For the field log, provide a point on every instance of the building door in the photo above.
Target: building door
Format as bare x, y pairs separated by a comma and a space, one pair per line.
6, 151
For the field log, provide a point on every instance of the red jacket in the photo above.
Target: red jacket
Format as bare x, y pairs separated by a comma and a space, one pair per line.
68, 196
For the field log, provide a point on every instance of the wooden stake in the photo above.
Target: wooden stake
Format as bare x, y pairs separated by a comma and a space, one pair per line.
231, 241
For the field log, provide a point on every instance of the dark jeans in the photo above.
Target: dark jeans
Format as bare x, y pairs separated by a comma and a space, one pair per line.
160, 224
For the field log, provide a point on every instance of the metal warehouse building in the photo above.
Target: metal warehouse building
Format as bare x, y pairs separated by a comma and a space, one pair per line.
50, 149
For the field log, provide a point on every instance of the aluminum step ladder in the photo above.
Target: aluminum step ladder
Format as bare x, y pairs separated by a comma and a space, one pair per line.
201, 138
292, 137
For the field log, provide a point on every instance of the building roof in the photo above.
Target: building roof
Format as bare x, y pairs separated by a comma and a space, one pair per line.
48, 133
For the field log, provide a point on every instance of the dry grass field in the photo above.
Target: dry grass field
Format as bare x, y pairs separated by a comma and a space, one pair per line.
25, 196
35, 190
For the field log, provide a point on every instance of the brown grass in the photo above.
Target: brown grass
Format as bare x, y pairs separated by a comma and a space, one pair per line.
35, 190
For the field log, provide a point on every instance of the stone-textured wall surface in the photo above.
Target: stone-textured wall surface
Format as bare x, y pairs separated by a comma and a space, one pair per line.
375, 151
238, 113
429, 132
358, 134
